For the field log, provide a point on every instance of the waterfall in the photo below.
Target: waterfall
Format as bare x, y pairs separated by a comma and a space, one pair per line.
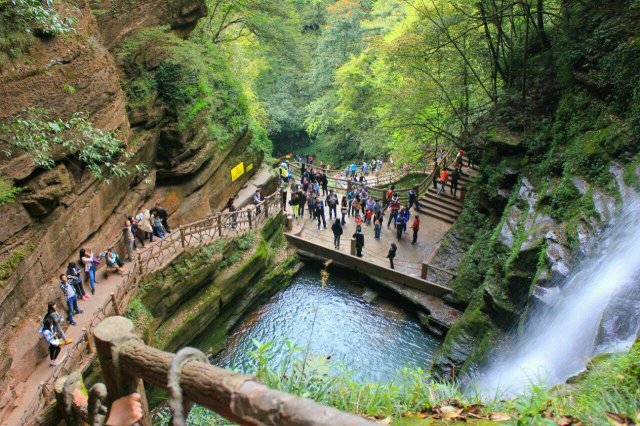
558, 339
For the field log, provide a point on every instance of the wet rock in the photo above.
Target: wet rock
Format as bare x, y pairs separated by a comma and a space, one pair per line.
538, 228
510, 227
626, 192
369, 295
527, 193
543, 277
620, 324
605, 205
546, 295
581, 185
585, 237
43, 193
558, 257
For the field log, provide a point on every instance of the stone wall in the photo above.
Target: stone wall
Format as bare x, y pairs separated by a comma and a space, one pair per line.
64, 208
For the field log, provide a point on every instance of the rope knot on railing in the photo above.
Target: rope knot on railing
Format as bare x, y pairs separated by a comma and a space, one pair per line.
179, 406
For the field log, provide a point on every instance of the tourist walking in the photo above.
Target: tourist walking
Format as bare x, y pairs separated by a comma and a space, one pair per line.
161, 213
89, 263
399, 226
337, 232
74, 274
359, 237
232, 209
144, 224
158, 227
413, 197
344, 208
319, 213
392, 254
129, 240
54, 316
71, 297
415, 227
436, 173
377, 226
394, 205
454, 182
52, 339
323, 182
257, 201
332, 202
444, 177
283, 195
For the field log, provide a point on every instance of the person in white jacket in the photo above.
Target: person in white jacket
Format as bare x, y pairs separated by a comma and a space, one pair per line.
52, 339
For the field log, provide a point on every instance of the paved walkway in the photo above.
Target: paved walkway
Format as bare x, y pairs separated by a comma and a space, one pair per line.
408, 257
28, 390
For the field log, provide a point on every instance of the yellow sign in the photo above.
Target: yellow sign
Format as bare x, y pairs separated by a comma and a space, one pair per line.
237, 171
249, 167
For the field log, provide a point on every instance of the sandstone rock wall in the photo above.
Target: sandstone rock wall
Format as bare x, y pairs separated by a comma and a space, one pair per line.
65, 208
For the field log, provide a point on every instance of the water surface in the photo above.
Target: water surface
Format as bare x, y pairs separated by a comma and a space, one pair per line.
375, 340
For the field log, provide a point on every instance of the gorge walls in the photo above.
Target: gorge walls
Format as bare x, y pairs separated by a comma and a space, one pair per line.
174, 105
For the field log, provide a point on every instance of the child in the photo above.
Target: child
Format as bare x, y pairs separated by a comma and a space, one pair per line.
367, 216
376, 229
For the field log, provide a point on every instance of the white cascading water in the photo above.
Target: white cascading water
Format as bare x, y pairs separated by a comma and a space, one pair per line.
558, 339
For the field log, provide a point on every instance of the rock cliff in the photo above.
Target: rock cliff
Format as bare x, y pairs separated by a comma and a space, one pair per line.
125, 65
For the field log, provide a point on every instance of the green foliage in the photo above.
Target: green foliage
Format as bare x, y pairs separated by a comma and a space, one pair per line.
8, 192
19, 19
11, 263
611, 384
40, 137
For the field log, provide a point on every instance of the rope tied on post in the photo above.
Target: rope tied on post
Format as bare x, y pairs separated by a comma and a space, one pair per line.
179, 406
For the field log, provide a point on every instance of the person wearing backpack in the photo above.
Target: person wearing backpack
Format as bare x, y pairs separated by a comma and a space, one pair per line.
332, 202
412, 198
89, 262
359, 237
337, 232
319, 212
52, 339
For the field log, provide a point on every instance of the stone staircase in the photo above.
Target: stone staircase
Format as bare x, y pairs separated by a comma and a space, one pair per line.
446, 207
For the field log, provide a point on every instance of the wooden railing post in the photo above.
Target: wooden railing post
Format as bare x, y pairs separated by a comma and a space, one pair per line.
141, 270
182, 237
219, 218
249, 217
115, 304
352, 249
87, 337
424, 270
109, 334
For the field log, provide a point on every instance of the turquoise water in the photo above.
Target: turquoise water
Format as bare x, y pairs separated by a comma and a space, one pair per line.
374, 340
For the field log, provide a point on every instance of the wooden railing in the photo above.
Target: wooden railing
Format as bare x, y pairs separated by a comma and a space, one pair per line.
206, 230
153, 256
126, 362
379, 190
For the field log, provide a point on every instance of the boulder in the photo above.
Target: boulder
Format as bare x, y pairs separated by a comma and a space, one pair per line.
42, 194
626, 192
605, 205
510, 227
538, 226
581, 184
558, 257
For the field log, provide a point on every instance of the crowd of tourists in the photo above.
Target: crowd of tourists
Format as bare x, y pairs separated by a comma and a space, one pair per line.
144, 226
310, 194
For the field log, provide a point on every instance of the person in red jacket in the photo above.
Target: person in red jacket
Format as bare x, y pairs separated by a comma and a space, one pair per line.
444, 177
415, 227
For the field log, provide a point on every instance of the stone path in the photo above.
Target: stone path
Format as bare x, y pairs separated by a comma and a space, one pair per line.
29, 388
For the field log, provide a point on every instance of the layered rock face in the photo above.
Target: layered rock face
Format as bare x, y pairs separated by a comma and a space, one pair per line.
188, 148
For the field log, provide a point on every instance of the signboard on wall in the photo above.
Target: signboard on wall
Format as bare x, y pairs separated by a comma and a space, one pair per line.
237, 171
249, 167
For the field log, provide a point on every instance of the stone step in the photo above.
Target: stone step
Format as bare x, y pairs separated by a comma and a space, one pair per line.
445, 196
440, 211
437, 215
425, 203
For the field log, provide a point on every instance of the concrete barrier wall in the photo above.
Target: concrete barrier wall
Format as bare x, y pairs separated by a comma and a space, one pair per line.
362, 266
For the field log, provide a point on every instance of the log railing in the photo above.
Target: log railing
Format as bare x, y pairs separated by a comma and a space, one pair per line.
153, 256
378, 190
126, 362
206, 230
